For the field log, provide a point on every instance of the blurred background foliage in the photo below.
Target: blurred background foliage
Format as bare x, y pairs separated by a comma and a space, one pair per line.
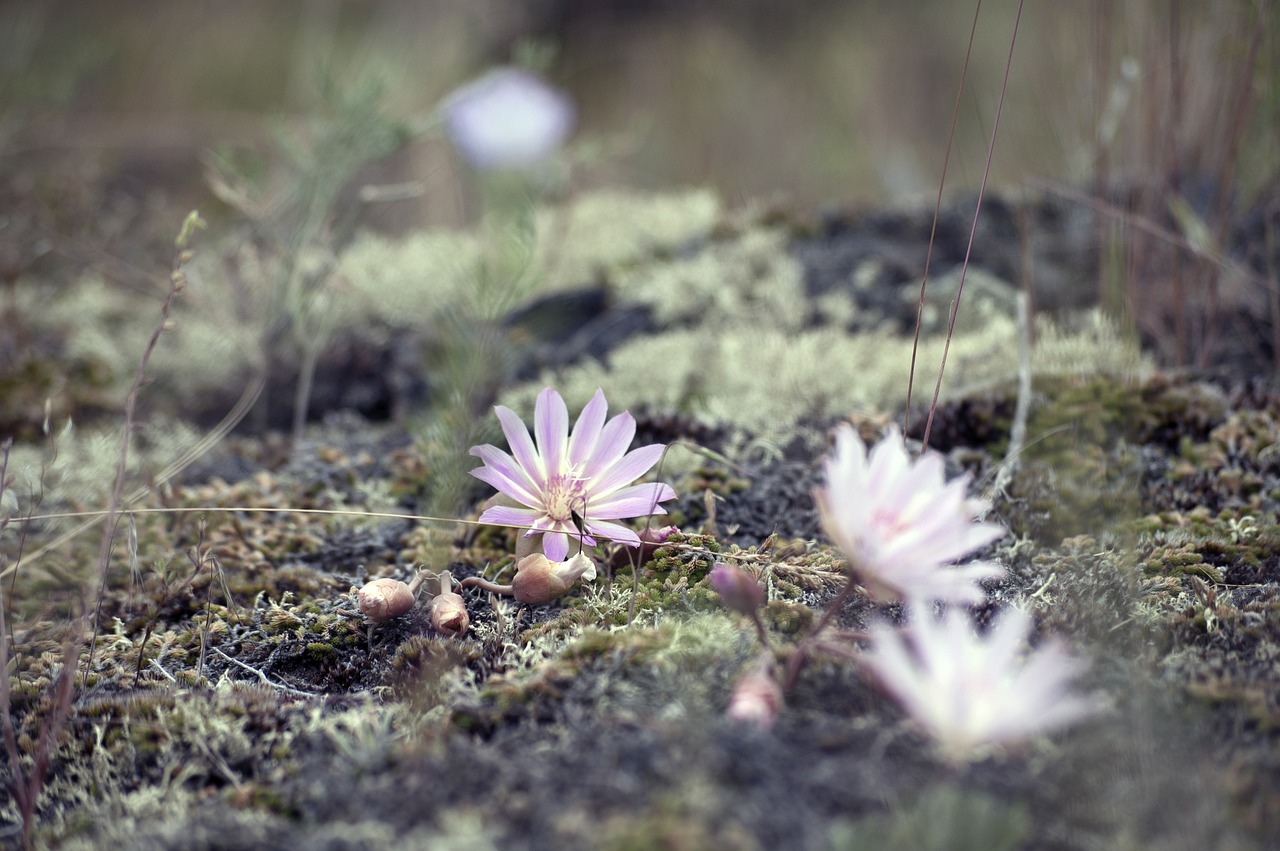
295, 127
814, 101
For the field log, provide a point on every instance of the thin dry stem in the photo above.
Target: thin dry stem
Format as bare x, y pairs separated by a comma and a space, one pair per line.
973, 229
27, 789
937, 210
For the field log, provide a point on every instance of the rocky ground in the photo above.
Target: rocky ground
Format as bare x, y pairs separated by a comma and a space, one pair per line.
236, 698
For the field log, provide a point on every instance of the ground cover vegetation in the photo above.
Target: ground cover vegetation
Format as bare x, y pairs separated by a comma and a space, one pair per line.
628, 519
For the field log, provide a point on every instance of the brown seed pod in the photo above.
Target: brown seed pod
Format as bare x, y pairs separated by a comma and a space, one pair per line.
384, 599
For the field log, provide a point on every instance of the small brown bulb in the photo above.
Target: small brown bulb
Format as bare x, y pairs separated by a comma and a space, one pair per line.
384, 599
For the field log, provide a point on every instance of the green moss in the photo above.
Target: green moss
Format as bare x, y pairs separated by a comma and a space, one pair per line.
944, 818
789, 619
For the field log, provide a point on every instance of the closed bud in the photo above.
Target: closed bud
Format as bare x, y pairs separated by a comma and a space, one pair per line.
539, 580
449, 614
738, 590
448, 611
757, 698
384, 599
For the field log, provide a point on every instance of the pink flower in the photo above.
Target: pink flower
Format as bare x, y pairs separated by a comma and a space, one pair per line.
589, 474
901, 525
969, 692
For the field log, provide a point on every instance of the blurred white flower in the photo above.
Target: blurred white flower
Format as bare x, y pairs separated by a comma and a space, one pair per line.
507, 119
901, 525
967, 691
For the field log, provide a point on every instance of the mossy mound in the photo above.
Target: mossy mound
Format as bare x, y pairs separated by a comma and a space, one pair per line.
235, 696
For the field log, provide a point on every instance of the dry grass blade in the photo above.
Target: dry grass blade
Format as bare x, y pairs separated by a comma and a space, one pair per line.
973, 230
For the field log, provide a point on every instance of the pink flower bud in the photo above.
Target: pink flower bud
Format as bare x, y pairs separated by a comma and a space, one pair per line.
449, 614
384, 599
757, 698
539, 580
738, 590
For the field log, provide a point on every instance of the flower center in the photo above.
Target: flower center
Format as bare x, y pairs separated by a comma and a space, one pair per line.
888, 523
562, 496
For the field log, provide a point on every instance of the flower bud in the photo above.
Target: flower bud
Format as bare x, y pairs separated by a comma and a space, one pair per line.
449, 614
757, 698
738, 590
539, 580
384, 599
448, 611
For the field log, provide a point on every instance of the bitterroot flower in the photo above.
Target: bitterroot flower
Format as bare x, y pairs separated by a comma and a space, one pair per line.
901, 524
507, 119
571, 486
969, 692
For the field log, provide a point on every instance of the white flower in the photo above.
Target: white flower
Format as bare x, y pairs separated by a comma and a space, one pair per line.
507, 119
968, 692
901, 525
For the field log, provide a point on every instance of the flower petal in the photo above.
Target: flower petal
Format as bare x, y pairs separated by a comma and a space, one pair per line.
522, 448
502, 472
615, 437
506, 515
627, 469
586, 431
635, 501
615, 532
555, 545
551, 427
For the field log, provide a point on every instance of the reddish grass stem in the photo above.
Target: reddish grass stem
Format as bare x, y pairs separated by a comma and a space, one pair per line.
937, 209
973, 229
26, 788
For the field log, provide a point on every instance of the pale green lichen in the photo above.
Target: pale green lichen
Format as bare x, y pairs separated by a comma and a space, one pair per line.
234, 300
766, 378
76, 469
609, 230
407, 282
728, 283
1093, 344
